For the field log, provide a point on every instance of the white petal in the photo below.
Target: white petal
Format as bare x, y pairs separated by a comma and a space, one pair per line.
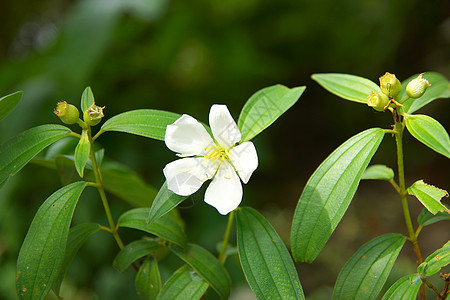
185, 176
244, 159
187, 136
225, 191
223, 127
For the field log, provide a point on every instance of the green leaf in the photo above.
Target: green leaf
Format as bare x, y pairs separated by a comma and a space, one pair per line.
185, 283
42, 253
430, 196
266, 262
433, 263
164, 227
440, 88
378, 172
430, 132
148, 279
328, 194
165, 201
132, 252
82, 153
264, 107
77, 237
8, 102
406, 288
19, 150
87, 99
144, 122
349, 87
207, 266
365, 273
426, 218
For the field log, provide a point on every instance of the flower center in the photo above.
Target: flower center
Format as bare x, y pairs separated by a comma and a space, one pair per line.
216, 152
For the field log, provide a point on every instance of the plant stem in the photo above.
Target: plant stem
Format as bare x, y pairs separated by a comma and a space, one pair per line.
226, 237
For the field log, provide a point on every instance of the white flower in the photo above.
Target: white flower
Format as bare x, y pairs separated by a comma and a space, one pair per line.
205, 158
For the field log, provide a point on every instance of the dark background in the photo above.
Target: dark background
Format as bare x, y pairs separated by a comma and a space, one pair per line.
184, 56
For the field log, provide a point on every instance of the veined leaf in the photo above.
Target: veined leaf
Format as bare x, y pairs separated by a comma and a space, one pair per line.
440, 88
82, 153
430, 196
165, 201
87, 99
207, 266
185, 283
19, 150
164, 227
42, 252
328, 194
144, 122
264, 107
426, 218
378, 172
148, 279
365, 273
433, 263
405, 288
8, 102
132, 252
430, 132
349, 87
267, 264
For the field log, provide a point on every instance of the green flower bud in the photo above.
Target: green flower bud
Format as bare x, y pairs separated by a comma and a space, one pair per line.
378, 101
390, 85
93, 115
417, 87
68, 113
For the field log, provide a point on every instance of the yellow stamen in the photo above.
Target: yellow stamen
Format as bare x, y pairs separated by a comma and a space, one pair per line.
216, 152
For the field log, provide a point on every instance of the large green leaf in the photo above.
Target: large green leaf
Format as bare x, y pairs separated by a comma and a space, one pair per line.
87, 99
328, 194
264, 107
378, 172
77, 237
132, 252
81, 154
42, 253
266, 262
405, 288
426, 218
430, 196
185, 283
164, 202
144, 122
437, 260
148, 280
8, 102
207, 266
349, 87
164, 227
365, 273
430, 132
18, 151
440, 88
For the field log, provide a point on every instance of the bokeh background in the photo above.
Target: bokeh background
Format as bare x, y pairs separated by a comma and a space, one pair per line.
184, 56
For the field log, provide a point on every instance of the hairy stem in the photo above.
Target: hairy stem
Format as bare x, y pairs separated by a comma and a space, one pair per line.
226, 237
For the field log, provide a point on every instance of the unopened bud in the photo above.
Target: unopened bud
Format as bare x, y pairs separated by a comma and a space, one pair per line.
67, 112
378, 101
93, 115
417, 87
390, 85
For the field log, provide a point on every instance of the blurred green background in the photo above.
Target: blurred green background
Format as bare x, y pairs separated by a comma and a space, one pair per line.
184, 56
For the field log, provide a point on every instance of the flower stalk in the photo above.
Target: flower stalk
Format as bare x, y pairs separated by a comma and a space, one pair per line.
226, 238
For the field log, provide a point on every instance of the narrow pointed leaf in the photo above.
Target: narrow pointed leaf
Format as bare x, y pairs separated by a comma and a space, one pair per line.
144, 122
328, 194
87, 99
207, 266
378, 172
77, 237
437, 260
430, 196
148, 280
267, 264
439, 89
405, 288
264, 107
132, 252
365, 273
185, 283
42, 252
349, 87
82, 153
426, 218
429, 132
165, 201
164, 227
18, 151
8, 102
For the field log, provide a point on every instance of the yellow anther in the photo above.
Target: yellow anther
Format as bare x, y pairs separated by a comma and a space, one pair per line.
215, 153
